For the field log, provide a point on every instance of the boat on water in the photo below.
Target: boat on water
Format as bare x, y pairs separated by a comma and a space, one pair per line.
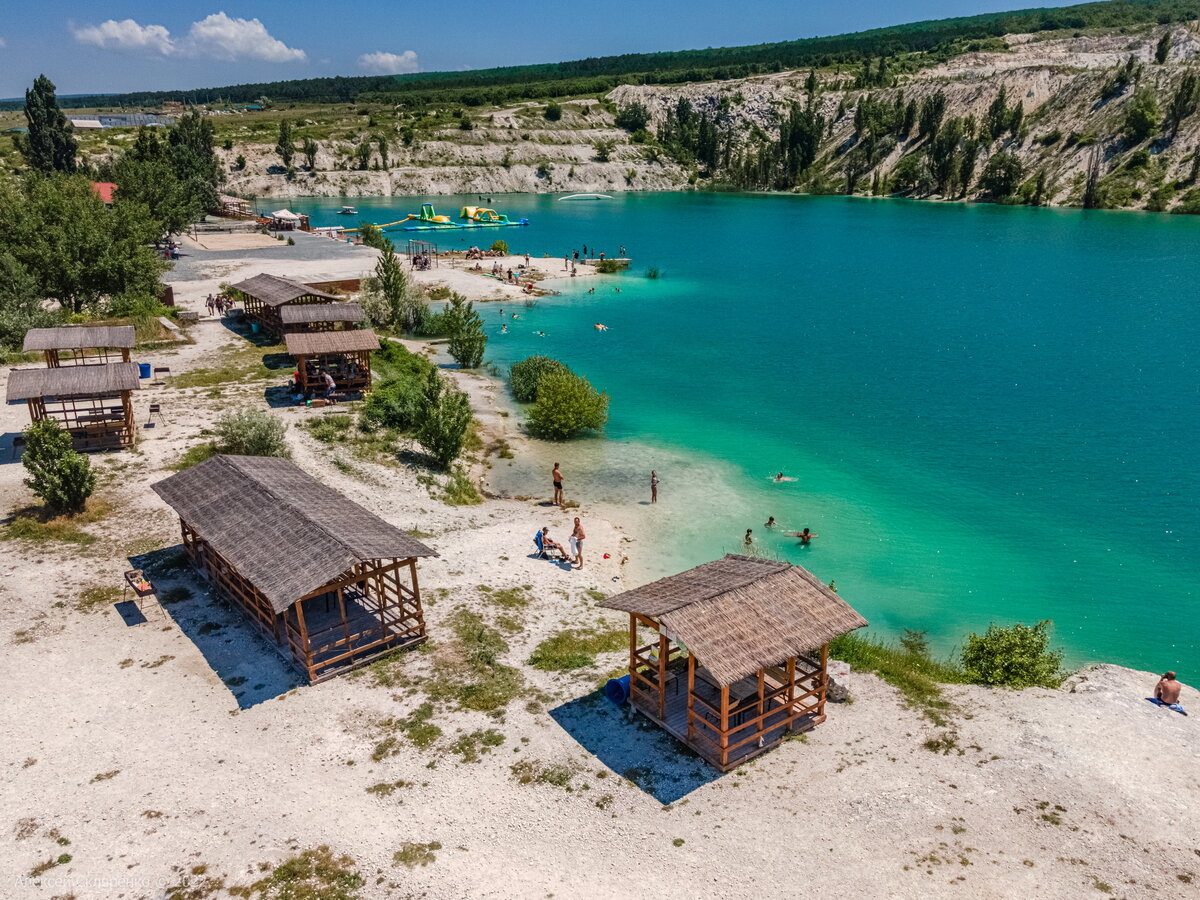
348, 211
586, 197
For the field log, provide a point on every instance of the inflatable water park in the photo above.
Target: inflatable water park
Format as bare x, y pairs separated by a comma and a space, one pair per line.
469, 217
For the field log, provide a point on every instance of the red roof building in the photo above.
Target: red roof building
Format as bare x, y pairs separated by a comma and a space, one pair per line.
105, 190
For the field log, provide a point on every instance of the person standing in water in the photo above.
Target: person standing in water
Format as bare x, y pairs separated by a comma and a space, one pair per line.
770, 522
557, 477
577, 537
805, 536
748, 541
653, 486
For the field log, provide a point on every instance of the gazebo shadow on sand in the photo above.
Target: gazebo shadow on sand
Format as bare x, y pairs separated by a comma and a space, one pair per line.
248, 664
633, 747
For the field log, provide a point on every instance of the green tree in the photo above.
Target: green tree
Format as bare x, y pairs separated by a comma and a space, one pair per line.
1001, 175
49, 146
604, 149
284, 146
80, 251
908, 173
153, 184
1184, 101
552, 112
362, 153
20, 303
445, 417
310, 153
566, 405
1016, 119
1141, 117
240, 162
499, 246
995, 123
1018, 656
381, 145
467, 339
405, 304
62, 478
525, 375
933, 110
1163, 49
373, 236
633, 117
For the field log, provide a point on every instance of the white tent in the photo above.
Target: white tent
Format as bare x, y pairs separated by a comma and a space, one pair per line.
285, 214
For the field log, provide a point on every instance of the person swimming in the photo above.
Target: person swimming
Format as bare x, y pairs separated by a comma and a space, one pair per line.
600, 326
770, 522
748, 540
805, 536
504, 329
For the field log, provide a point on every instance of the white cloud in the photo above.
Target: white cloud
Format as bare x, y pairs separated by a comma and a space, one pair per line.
126, 35
226, 38
380, 63
3, 42
216, 37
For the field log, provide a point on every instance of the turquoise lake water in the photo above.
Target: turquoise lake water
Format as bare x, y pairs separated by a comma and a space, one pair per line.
992, 413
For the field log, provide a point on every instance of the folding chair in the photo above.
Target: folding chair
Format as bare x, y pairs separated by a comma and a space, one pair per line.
155, 413
161, 372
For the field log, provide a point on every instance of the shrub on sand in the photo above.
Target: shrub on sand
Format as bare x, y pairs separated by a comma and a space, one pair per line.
251, 432
524, 376
566, 405
1018, 656
62, 478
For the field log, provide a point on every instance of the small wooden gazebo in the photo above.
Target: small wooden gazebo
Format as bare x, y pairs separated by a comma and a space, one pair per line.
321, 317
264, 295
346, 355
81, 345
333, 585
92, 402
731, 656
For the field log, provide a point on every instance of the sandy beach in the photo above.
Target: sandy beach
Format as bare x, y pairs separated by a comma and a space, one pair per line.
176, 751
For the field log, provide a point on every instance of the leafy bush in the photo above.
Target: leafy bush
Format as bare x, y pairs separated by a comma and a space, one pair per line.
391, 298
633, 117
372, 235
397, 399
524, 376
499, 246
251, 432
445, 417
604, 149
1018, 656
608, 266
552, 112
566, 405
62, 478
1142, 116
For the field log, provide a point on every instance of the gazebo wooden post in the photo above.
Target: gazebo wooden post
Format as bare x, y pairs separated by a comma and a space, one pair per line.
416, 592
127, 406
724, 725
791, 690
342, 611
762, 676
663, 650
690, 688
632, 653
823, 680
307, 645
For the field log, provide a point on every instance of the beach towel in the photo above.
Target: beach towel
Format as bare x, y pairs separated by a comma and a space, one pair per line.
1175, 707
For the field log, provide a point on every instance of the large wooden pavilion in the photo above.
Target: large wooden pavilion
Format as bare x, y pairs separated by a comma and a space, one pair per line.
333, 585
346, 355
92, 402
736, 653
263, 296
321, 317
81, 345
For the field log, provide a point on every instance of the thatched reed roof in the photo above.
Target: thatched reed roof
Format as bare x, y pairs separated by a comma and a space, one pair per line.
312, 343
740, 614
321, 312
275, 290
79, 337
280, 527
72, 381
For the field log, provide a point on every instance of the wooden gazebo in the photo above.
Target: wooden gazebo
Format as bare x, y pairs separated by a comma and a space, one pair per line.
321, 317
346, 355
731, 656
81, 345
92, 402
263, 296
333, 585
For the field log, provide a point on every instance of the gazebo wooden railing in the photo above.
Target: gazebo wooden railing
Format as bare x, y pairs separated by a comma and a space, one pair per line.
93, 403
263, 296
81, 345
345, 355
732, 700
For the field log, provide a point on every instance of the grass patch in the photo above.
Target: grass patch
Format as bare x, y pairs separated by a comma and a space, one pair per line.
417, 727
509, 598
193, 456
472, 746
387, 671
908, 668
313, 875
96, 596
39, 525
575, 648
237, 365
534, 771
43, 867
344, 430
412, 855
387, 788
467, 670
459, 490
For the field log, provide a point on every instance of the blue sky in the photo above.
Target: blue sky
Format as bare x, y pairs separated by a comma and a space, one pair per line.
92, 47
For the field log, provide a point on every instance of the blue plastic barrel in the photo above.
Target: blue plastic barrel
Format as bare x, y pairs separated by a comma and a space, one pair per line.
254, 328
144, 370
617, 690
